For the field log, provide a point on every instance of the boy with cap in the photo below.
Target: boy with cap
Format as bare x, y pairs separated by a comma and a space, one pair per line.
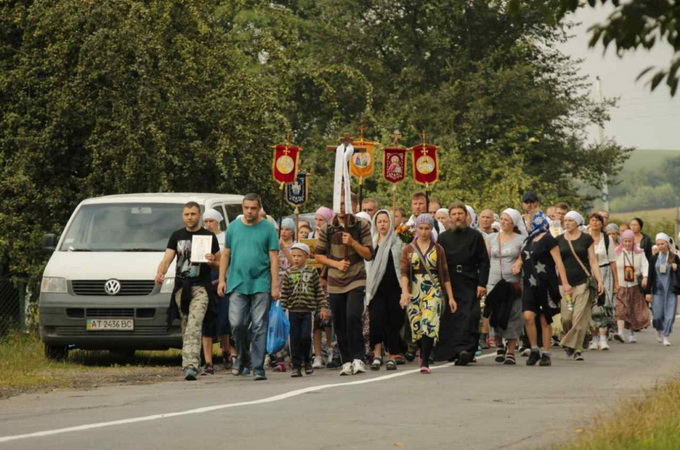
302, 295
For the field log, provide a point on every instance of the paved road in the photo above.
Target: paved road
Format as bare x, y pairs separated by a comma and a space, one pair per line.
483, 406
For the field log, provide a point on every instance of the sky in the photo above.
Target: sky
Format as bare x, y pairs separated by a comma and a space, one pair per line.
643, 119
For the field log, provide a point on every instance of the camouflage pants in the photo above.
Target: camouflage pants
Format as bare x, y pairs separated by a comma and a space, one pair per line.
191, 326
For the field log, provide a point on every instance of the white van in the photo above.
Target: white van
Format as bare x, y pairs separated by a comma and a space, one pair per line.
98, 289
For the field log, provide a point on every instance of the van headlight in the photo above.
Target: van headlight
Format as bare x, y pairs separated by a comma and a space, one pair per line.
168, 286
55, 285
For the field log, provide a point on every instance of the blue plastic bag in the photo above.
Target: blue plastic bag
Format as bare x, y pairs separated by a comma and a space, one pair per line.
278, 329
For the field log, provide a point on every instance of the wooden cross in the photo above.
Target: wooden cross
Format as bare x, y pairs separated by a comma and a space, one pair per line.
345, 139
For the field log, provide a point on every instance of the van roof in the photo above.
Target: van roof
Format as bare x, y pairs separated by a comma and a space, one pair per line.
165, 197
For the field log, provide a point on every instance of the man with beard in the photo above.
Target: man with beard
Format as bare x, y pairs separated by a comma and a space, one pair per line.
468, 263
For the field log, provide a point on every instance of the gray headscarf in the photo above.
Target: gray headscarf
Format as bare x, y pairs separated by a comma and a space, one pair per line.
375, 271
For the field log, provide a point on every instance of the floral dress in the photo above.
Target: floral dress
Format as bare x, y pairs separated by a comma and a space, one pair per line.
425, 308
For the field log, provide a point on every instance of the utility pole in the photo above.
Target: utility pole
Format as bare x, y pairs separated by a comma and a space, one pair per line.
605, 181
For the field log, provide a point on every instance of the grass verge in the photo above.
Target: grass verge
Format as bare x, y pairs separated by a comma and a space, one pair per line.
649, 422
24, 368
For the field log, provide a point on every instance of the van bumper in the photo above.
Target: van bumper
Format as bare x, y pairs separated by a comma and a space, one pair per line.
63, 321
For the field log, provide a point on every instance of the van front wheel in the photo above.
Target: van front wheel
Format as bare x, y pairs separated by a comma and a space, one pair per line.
56, 352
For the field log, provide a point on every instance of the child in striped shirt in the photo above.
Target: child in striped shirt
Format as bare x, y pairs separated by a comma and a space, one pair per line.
302, 295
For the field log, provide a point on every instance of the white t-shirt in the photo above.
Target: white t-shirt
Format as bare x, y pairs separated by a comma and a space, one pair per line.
605, 257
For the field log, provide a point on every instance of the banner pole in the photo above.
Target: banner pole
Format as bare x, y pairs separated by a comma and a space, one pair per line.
283, 194
297, 223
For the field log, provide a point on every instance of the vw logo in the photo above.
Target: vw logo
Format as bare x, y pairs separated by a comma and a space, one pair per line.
112, 287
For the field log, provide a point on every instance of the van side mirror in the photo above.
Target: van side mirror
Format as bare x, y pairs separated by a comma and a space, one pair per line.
49, 243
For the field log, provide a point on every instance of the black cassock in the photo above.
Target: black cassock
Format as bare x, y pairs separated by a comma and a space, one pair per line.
468, 262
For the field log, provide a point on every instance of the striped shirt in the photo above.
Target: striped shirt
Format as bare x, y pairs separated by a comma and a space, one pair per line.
355, 277
301, 290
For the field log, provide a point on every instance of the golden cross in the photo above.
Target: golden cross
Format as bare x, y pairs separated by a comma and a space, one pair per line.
424, 135
289, 137
286, 151
396, 136
361, 131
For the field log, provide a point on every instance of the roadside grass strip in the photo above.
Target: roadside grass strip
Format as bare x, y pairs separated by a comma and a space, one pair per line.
650, 421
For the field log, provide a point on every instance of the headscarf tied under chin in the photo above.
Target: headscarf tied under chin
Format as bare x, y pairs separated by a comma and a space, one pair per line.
628, 234
376, 268
539, 224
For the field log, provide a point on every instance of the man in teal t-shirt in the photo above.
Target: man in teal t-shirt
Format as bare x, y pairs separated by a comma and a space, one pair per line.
249, 272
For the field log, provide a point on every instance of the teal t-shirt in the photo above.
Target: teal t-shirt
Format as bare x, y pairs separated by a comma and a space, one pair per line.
249, 269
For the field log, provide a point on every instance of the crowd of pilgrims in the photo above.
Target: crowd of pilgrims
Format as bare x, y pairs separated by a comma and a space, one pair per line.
521, 282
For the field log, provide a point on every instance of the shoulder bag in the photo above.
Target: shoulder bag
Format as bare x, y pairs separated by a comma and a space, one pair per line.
592, 282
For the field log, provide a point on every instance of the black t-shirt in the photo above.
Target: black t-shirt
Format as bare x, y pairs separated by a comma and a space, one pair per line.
575, 273
180, 242
538, 266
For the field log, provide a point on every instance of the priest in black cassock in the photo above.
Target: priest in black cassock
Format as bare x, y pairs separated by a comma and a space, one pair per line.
468, 261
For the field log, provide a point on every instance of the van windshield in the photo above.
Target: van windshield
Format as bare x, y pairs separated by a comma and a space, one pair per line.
120, 227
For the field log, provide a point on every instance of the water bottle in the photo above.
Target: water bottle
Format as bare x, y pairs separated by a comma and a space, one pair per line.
570, 303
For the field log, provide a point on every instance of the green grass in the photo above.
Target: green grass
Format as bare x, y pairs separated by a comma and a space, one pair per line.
650, 216
649, 422
24, 368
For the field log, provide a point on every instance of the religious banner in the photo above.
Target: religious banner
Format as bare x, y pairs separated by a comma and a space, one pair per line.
297, 192
362, 162
285, 165
425, 164
394, 164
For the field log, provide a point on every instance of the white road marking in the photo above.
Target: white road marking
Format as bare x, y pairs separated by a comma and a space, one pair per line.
275, 398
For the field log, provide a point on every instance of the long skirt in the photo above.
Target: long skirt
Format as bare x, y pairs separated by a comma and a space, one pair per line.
632, 308
460, 331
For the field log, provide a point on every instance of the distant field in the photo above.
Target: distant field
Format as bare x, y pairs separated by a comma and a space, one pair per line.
648, 159
651, 216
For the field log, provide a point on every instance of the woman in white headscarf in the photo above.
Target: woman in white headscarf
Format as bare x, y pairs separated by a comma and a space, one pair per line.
383, 291
577, 250
506, 264
662, 288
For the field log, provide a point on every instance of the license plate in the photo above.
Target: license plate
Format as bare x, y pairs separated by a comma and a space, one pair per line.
110, 324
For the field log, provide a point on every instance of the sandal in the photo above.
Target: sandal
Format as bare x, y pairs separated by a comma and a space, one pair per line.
391, 365
377, 362
510, 359
500, 355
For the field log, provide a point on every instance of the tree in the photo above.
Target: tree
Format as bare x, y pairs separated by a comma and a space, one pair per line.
632, 25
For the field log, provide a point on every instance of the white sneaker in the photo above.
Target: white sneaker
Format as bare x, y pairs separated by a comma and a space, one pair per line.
329, 353
593, 344
659, 337
666, 342
318, 362
358, 366
346, 369
632, 339
603, 344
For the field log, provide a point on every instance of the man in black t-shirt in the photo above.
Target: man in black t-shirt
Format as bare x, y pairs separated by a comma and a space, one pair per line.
192, 278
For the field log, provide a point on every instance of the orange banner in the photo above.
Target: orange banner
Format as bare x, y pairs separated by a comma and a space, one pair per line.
362, 163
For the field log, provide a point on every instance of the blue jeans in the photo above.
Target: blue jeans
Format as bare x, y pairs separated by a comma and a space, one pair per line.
253, 310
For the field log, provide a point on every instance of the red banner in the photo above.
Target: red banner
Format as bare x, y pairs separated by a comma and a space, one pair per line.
425, 164
394, 164
285, 165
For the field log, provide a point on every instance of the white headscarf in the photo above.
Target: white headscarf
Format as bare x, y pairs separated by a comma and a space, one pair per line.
575, 216
212, 214
663, 237
473, 216
517, 220
364, 215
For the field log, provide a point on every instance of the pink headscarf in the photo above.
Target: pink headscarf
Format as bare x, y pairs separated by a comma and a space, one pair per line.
628, 234
326, 213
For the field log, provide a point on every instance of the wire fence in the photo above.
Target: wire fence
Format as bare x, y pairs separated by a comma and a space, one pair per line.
12, 305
